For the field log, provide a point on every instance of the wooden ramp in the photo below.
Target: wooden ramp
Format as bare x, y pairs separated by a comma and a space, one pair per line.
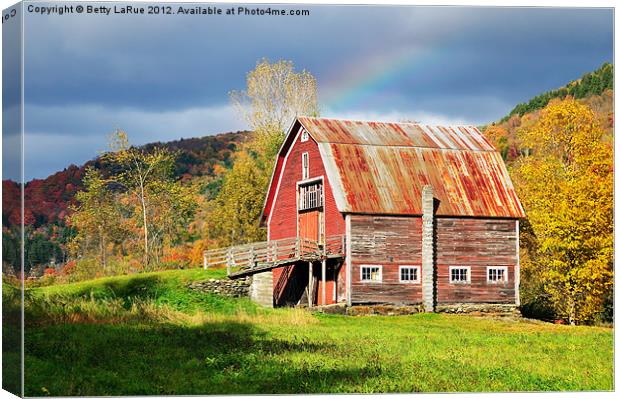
248, 259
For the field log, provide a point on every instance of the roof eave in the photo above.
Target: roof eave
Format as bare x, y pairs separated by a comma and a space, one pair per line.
273, 172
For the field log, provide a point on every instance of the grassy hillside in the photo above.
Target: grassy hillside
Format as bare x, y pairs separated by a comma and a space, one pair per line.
149, 334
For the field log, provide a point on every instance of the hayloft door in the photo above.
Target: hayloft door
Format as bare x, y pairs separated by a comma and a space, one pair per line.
310, 224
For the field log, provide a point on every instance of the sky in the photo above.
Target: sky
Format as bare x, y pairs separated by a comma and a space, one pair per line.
165, 77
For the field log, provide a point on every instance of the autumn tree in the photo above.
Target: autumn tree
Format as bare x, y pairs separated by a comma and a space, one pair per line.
566, 186
237, 207
97, 216
161, 205
274, 97
171, 206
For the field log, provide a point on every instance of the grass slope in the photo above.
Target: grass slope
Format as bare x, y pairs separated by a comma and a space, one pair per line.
148, 334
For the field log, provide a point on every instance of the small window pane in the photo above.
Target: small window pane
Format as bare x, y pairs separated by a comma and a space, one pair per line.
371, 273
305, 166
408, 273
458, 275
497, 275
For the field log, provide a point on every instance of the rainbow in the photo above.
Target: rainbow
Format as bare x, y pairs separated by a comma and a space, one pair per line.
368, 79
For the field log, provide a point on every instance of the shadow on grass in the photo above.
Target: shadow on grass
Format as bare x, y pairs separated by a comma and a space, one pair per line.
215, 358
11, 338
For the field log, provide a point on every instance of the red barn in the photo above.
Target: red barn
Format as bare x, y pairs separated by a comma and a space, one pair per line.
388, 213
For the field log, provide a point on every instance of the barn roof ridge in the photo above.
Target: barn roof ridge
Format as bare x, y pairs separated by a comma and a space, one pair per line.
396, 134
387, 122
408, 147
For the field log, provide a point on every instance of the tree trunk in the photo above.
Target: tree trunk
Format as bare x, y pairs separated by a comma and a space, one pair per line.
103, 252
146, 230
102, 247
571, 311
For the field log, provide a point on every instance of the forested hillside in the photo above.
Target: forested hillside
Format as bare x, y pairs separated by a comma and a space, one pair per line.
591, 84
47, 201
594, 89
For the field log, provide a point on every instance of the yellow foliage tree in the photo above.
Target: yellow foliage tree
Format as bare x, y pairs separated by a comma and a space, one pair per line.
566, 185
274, 96
234, 219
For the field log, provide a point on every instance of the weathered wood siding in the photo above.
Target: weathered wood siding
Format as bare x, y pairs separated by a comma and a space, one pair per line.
395, 241
390, 242
476, 243
283, 222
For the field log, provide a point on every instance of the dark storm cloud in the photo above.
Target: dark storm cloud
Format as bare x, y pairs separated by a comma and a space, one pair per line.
11, 98
169, 76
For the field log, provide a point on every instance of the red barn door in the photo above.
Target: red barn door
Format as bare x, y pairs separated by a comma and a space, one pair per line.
309, 225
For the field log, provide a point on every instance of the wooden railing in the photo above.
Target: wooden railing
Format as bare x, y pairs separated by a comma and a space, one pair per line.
265, 254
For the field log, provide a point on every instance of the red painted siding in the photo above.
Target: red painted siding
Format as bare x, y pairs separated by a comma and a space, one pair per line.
392, 241
284, 212
283, 222
476, 243
329, 286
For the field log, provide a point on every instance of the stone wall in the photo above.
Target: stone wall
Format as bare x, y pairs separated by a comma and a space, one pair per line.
258, 288
473, 309
481, 309
230, 288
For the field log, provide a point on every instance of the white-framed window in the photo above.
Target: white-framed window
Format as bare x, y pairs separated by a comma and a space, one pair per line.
497, 274
409, 274
304, 135
460, 274
311, 195
305, 166
371, 273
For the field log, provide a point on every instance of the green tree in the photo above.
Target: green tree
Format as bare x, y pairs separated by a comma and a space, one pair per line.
97, 217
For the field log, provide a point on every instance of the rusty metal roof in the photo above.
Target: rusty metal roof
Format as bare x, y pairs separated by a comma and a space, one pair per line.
381, 168
396, 134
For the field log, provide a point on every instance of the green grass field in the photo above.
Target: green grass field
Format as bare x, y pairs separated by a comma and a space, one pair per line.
148, 334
